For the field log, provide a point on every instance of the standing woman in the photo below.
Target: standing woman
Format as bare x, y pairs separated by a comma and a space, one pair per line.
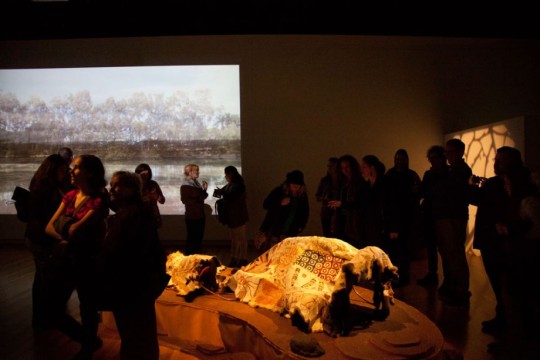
402, 189
328, 190
377, 211
287, 210
347, 205
151, 192
192, 195
87, 205
236, 213
47, 188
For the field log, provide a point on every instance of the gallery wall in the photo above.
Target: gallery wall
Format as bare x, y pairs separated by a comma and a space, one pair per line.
306, 98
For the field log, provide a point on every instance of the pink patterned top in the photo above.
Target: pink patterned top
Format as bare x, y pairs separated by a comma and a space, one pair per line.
93, 203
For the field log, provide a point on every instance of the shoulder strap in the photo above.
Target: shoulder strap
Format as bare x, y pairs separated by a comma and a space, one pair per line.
80, 205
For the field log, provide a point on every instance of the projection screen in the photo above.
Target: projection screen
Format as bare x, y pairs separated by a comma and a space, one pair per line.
165, 116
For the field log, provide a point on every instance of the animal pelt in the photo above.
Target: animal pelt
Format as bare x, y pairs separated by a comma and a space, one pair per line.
192, 275
362, 264
371, 265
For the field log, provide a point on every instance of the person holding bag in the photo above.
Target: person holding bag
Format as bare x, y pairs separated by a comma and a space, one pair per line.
46, 192
236, 214
78, 237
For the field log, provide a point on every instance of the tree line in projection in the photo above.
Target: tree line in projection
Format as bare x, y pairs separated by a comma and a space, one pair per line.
149, 123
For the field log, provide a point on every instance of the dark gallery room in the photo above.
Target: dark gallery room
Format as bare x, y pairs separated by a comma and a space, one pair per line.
269, 180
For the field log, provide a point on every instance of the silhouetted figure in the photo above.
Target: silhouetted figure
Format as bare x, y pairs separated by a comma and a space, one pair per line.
52, 286
236, 214
131, 266
403, 187
523, 230
347, 206
436, 172
378, 212
192, 194
451, 210
287, 210
492, 202
328, 190
66, 154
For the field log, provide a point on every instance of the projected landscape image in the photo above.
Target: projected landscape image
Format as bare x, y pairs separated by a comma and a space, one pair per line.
166, 116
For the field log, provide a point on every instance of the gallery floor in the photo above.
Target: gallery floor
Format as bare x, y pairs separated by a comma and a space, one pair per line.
461, 328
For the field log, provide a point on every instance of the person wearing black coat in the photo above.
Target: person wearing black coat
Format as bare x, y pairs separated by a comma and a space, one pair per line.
53, 285
235, 214
287, 210
131, 267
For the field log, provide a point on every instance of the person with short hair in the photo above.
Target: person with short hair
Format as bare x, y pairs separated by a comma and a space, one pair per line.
492, 203
403, 187
432, 176
451, 198
131, 263
192, 194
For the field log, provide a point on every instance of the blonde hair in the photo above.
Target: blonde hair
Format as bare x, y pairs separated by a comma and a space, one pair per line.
188, 168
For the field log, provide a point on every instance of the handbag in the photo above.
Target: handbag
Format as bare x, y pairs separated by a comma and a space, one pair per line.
221, 213
63, 222
21, 196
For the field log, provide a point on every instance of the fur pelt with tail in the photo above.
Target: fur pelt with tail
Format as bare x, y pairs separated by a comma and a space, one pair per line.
370, 265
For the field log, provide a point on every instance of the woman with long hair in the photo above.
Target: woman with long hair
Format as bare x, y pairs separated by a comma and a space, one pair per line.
87, 206
328, 190
236, 214
347, 205
46, 192
151, 191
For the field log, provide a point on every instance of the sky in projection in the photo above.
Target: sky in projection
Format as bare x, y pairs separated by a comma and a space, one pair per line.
121, 82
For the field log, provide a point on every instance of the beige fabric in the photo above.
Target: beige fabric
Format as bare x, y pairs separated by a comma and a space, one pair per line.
300, 273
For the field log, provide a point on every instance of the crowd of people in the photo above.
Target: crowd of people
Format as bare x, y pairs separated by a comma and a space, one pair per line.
86, 238
114, 261
365, 205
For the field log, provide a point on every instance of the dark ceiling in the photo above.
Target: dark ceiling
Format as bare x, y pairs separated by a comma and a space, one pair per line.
26, 19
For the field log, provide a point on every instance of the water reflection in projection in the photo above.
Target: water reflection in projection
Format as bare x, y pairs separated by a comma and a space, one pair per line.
481, 145
169, 177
